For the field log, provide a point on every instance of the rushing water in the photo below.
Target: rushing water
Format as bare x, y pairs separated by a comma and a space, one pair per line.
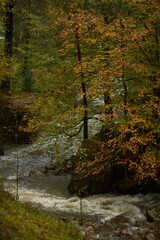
50, 191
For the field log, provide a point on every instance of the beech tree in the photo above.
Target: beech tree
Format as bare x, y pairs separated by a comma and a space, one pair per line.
72, 29
8, 45
80, 53
134, 80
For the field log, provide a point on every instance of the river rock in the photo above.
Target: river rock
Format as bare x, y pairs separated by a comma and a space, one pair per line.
82, 233
89, 230
32, 172
149, 230
84, 183
64, 167
49, 167
119, 219
90, 185
153, 214
127, 231
157, 227
150, 236
91, 175
144, 228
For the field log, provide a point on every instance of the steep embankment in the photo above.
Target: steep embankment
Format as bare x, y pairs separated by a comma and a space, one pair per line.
23, 222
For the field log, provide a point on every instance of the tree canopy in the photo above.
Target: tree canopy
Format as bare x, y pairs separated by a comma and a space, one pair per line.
89, 60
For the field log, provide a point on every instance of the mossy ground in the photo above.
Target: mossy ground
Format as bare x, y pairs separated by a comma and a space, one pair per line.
25, 222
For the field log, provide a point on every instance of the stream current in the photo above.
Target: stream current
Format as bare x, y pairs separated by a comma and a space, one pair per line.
49, 191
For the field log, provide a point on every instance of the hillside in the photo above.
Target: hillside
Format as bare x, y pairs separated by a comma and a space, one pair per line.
24, 222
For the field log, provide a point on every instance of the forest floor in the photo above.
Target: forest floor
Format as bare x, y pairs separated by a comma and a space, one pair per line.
23, 222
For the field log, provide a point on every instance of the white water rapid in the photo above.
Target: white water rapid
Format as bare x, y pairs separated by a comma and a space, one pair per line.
50, 191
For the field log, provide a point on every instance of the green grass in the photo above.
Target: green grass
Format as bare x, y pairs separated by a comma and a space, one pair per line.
25, 222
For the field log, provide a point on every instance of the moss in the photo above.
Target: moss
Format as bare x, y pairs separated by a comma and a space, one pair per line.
23, 222
88, 149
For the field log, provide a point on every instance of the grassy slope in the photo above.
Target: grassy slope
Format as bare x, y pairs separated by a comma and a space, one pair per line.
23, 222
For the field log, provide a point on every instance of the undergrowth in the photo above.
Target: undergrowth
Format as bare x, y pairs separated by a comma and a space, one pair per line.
19, 222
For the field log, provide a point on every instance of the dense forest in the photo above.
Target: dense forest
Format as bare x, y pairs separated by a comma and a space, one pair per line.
72, 61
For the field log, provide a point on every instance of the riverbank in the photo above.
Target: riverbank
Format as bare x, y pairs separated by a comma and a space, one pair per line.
19, 222
23, 221
105, 216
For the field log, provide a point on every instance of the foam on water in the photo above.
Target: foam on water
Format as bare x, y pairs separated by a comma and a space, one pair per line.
13, 177
51, 191
108, 206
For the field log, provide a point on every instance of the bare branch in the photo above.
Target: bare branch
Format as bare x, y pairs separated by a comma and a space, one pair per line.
27, 18
75, 134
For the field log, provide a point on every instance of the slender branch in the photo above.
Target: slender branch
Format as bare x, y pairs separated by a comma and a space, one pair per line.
73, 135
24, 5
53, 35
125, 97
147, 58
85, 133
157, 43
27, 18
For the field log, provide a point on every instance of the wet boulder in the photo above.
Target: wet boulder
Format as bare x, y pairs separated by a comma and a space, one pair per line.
153, 214
90, 185
50, 167
93, 173
127, 232
65, 167
1, 147
150, 236
82, 182
85, 180
32, 172
142, 224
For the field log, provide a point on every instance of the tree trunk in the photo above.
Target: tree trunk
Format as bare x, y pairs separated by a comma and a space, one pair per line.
125, 113
109, 111
8, 48
157, 44
27, 74
1, 141
85, 119
1, 125
125, 98
157, 88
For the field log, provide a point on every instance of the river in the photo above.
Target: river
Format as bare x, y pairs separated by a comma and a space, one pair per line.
50, 192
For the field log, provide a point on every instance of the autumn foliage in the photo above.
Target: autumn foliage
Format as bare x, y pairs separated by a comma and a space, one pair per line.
101, 61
